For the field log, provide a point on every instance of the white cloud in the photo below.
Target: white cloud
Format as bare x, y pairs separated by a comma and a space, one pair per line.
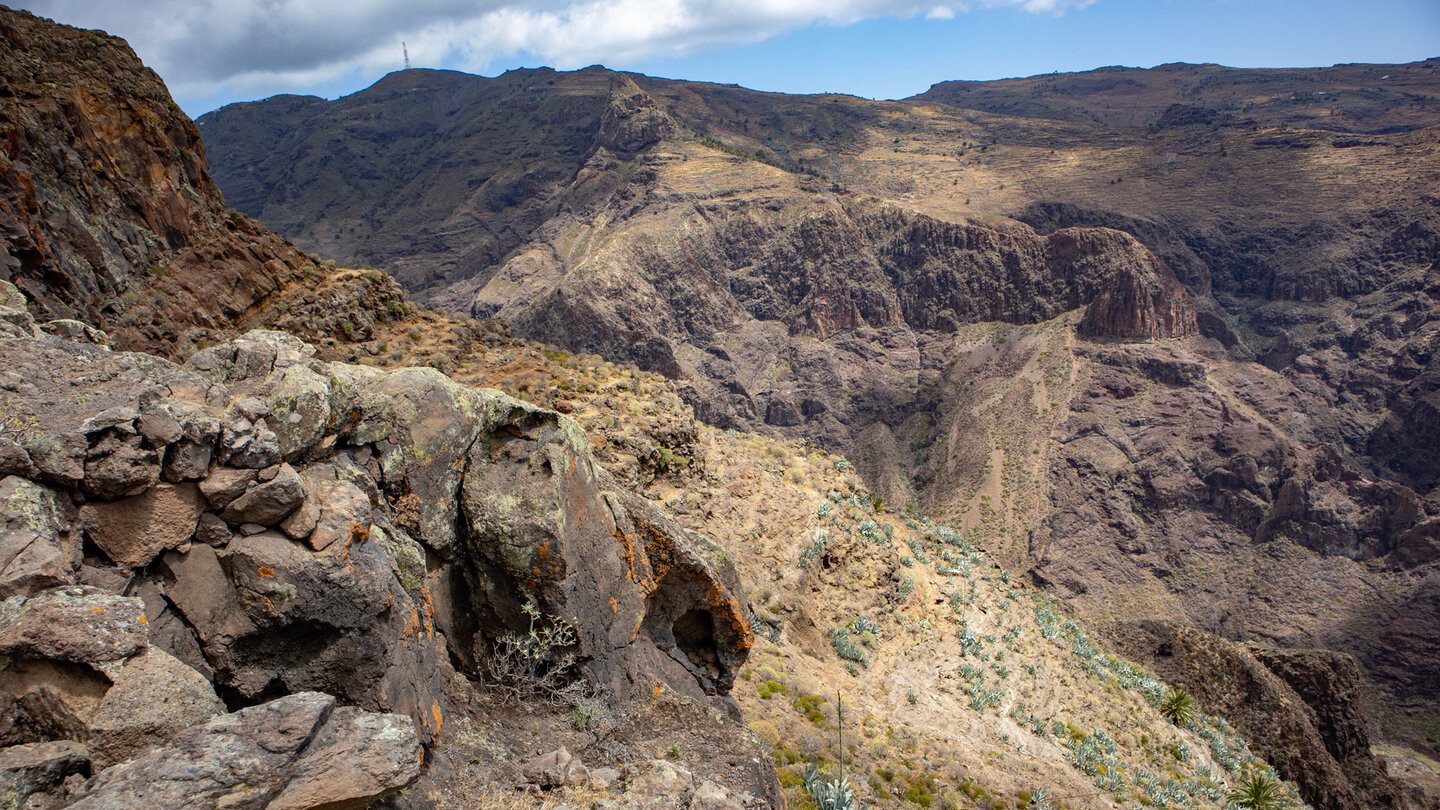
259, 47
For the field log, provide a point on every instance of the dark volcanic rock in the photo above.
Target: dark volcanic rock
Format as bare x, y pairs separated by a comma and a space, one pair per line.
108, 214
511, 506
296, 752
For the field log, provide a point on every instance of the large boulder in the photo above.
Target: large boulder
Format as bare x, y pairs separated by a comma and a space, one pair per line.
60, 649
155, 697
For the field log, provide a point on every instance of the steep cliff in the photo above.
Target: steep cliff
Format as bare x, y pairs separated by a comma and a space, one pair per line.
107, 210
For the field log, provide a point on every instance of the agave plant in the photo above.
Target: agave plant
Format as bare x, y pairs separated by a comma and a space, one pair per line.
830, 794
1179, 706
1259, 792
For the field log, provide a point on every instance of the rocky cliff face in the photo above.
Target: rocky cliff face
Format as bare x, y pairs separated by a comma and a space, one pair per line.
1300, 705
107, 211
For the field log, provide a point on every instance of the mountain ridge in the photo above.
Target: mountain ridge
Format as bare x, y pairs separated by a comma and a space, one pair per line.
1301, 309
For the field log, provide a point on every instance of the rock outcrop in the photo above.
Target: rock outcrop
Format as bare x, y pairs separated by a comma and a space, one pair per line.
380, 508
1300, 708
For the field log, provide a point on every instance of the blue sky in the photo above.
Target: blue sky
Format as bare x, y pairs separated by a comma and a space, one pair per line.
212, 52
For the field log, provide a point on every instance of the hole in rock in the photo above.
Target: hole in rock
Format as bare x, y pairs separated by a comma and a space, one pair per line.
695, 636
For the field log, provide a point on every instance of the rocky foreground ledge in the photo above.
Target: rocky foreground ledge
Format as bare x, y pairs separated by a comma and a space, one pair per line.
312, 548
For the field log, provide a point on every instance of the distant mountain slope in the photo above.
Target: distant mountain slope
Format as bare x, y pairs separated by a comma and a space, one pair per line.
1344, 98
1186, 370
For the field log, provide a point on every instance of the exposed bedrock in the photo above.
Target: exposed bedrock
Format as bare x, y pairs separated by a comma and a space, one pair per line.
323, 528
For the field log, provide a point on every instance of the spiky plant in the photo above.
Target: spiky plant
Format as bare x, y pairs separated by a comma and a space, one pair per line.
1179, 706
1259, 792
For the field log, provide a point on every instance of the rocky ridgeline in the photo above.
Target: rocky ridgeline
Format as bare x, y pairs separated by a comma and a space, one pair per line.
313, 545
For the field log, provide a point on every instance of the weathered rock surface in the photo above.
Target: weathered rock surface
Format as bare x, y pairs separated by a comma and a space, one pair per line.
296, 752
154, 698
37, 548
133, 531
509, 507
33, 776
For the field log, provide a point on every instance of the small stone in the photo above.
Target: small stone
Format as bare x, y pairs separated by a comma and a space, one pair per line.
270, 502
251, 529
605, 778
225, 485
268, 474
212, 531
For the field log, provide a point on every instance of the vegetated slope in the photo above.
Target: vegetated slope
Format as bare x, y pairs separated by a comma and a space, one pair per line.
855, 272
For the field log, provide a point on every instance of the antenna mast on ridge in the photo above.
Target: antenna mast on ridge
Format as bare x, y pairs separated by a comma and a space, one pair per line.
406, 51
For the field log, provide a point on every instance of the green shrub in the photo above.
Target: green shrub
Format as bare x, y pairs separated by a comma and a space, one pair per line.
846, 647
1259, 792
1179, 706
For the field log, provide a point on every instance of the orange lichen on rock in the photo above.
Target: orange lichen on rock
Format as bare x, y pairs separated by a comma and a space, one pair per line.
725, 607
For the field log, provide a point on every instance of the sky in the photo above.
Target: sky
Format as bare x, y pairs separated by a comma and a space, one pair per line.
214, 52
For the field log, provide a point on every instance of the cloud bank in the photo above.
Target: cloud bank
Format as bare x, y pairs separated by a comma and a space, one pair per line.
205, 48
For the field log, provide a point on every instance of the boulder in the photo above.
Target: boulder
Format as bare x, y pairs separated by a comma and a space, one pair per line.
269, 502
333, 509
75, 624
291, 618
197, 586
71, 329
13, 459
159, 427
33, 775
154, 698
60, 648
299, 406
295, 752
556, 769
120, 466
133, 531
36, 550
225, 485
